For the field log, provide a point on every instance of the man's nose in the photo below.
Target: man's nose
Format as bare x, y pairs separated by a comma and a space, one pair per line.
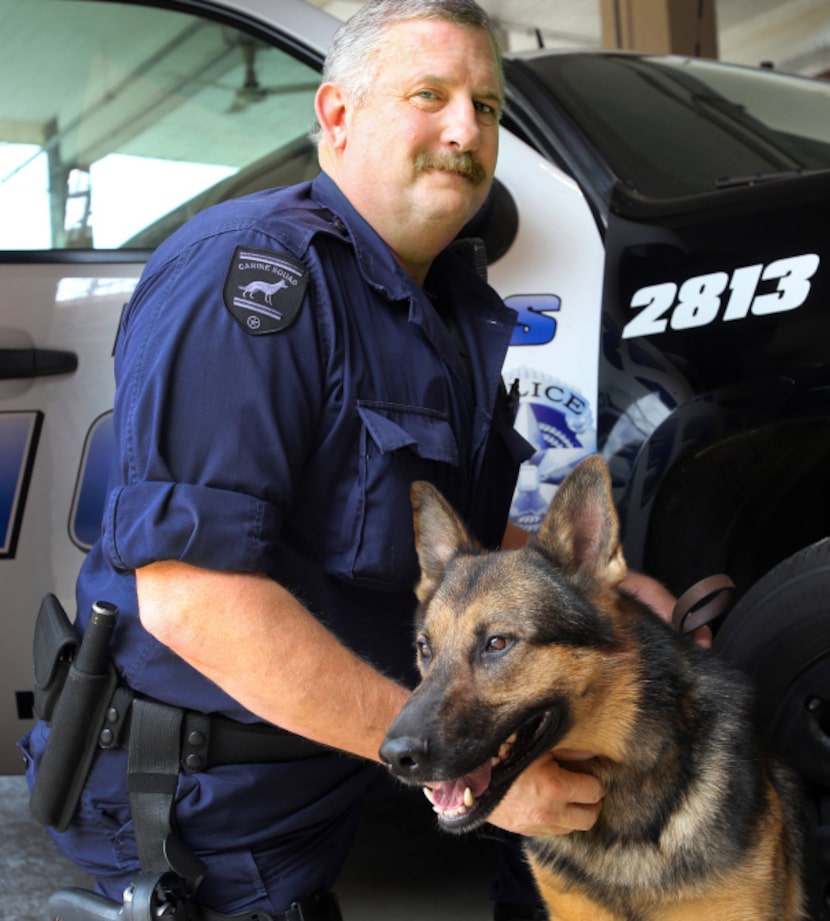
462, 130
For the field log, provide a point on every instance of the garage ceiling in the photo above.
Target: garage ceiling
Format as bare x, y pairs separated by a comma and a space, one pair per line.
793, 34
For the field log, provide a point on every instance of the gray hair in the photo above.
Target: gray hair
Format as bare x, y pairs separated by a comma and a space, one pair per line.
351, 59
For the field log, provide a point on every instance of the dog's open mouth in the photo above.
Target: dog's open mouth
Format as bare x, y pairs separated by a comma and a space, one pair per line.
464, 803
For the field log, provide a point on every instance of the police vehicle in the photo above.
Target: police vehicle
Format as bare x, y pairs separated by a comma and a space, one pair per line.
659, 224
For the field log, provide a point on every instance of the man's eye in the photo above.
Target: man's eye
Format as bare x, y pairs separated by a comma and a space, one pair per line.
486, 113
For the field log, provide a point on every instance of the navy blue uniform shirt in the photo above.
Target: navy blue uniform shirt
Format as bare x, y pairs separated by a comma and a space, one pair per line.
280, 383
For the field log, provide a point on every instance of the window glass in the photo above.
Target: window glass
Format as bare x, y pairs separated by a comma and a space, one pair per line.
126, 120
672, 127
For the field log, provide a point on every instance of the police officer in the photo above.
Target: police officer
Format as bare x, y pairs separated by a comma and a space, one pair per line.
289, 363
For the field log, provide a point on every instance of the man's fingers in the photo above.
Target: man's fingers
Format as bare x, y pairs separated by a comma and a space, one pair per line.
576, 817
702, 636
579, 788
549, 800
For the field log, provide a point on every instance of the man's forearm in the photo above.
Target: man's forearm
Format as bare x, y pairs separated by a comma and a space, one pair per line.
259, 644
253, 638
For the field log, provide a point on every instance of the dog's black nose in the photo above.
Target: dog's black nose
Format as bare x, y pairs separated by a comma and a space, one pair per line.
405, 756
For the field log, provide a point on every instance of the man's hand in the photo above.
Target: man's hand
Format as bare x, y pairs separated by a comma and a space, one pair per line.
547, 799
660, 600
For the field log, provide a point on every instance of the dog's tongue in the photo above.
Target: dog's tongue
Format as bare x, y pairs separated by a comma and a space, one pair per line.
449, 794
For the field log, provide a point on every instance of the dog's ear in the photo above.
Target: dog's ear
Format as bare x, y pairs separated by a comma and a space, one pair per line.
439, 535
581, 529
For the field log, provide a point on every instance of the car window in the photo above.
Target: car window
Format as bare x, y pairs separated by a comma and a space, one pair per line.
672, 127
125, 120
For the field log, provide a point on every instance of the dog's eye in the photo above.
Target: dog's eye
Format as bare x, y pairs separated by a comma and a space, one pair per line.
497, 643
424, 651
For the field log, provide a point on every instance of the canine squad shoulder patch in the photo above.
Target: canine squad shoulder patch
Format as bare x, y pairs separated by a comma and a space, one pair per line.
264, 290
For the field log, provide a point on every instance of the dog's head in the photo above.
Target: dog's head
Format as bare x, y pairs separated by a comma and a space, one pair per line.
512, 646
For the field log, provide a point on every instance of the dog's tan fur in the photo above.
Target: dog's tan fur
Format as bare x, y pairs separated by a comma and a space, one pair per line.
695, 824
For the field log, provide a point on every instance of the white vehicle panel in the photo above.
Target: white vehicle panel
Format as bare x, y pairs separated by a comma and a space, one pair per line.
554, 271
75, 308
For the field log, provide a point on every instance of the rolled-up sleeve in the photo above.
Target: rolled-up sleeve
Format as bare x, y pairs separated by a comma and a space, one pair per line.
212, 528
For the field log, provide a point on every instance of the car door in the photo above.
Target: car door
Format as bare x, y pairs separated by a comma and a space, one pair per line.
124, 121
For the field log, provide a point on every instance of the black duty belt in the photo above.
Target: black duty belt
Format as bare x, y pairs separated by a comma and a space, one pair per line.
210, 740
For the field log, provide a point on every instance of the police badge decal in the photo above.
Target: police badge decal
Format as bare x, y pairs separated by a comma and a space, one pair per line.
264, 290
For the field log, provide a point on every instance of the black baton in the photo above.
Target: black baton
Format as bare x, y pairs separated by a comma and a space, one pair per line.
76, 723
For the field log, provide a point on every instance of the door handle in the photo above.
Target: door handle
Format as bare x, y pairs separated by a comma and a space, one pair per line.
25, 363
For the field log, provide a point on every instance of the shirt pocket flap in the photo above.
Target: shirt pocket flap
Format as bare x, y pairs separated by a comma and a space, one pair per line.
426, 434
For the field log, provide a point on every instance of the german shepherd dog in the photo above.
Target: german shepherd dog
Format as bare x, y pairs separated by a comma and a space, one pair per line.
525, 651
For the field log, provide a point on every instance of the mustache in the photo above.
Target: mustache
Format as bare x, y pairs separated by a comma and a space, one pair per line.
464, 163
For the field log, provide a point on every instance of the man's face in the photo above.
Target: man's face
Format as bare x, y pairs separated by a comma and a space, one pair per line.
421, 147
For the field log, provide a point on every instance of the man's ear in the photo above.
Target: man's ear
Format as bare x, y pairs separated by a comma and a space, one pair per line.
331, 106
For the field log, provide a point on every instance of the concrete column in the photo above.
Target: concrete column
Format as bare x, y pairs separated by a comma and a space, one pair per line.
686, 27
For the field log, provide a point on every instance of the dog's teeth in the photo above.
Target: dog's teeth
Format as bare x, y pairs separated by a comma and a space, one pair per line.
459, 810
504, 748
495, 760
428, 795
469, 799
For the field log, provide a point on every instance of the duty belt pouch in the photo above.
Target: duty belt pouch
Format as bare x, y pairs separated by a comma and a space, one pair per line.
55, 644
77, 713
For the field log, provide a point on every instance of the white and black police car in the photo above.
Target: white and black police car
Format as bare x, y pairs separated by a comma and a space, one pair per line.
659, 223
